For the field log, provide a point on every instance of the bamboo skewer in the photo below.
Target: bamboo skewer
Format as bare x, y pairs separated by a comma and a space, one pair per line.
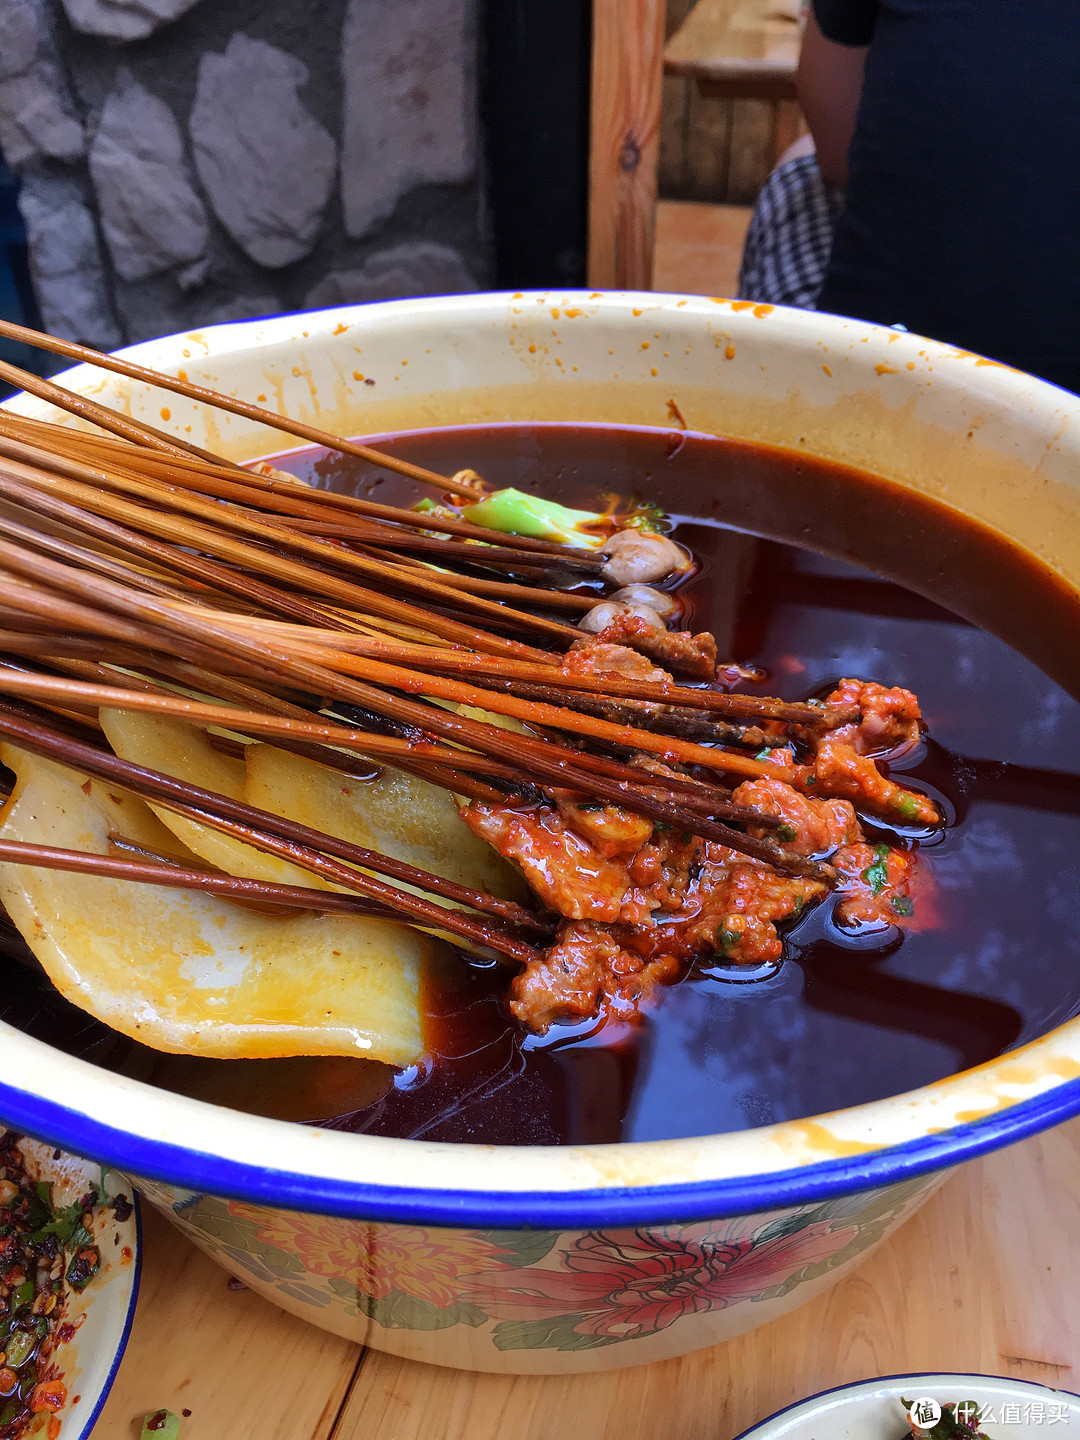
309, 849
548, 763
288, 504
230, 887
135, 431
23, 483
388, 749
254, 528
151, 700
120, 366
278, 489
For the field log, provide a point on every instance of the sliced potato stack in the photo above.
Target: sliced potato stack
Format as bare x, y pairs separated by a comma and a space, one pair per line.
189, 972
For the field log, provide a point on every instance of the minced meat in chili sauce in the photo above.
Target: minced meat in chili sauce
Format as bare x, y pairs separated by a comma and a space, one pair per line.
640, 901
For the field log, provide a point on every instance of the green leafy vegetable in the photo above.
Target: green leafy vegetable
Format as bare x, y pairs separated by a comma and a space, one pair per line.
877, 874
515, 513
787, 832
589, 805
63, 1226
903, 905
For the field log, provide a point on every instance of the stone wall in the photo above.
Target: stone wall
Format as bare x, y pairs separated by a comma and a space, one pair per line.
186, 162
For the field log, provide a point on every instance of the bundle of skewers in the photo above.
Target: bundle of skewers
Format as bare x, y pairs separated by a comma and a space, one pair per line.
142, 575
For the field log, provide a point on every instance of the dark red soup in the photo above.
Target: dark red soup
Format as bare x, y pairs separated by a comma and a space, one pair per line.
809, 572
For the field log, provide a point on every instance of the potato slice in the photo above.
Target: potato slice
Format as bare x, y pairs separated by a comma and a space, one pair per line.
397, 814
189, 972
184, 751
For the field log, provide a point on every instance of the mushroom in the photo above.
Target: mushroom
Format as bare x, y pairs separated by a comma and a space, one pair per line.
608, 611
659, 601
637, 556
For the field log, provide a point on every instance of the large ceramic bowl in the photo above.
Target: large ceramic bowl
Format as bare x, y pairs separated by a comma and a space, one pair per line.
584, 1257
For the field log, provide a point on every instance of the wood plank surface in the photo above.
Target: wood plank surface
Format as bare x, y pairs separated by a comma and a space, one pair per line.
984, 1278
699, 247
627, 72
737, 42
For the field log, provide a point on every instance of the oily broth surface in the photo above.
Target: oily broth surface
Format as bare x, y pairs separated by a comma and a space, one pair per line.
783, 544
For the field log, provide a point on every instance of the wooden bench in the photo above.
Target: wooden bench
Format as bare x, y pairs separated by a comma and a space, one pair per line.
743, 50
738, 49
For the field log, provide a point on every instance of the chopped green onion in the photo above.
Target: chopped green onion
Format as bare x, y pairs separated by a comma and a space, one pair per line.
907, 806
787, 832
516, 513
647, 515
903, 904
877, 874
589, 805
727, 940
765, 753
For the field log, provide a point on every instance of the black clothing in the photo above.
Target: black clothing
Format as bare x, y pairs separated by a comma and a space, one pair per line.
962, 215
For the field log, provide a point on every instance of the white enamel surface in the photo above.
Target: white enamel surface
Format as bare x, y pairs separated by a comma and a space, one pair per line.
872, 1410
1001, 445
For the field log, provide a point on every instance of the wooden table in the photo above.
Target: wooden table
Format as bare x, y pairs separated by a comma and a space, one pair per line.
738, 49
985, 1278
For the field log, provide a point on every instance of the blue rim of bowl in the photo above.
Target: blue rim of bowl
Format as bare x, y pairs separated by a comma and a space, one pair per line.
125, 1335
885, 1380
202, 1173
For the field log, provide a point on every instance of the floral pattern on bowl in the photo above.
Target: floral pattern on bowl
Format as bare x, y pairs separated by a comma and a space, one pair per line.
520, 1294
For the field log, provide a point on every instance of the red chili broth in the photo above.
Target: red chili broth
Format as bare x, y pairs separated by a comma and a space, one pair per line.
810, 571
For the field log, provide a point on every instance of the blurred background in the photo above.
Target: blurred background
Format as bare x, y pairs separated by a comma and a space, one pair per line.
169, 164
728, 112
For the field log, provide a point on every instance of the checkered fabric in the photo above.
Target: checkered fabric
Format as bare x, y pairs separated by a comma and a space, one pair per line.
790, 236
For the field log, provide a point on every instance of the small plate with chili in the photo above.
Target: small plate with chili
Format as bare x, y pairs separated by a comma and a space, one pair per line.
69, 1279
926, 1407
